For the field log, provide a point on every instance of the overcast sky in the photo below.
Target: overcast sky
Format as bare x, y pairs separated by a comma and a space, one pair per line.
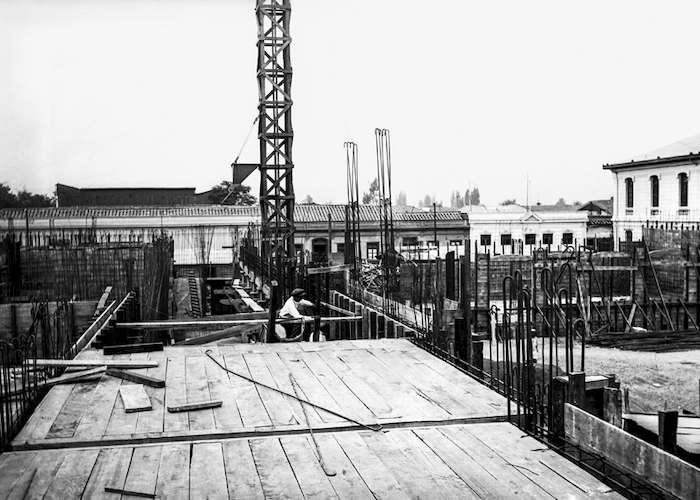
146, 93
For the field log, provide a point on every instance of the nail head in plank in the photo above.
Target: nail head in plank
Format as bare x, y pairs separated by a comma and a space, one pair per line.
134, 398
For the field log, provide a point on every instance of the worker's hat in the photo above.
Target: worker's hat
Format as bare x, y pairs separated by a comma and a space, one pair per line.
298, 293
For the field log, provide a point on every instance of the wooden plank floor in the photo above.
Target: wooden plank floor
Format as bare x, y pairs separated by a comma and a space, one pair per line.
444, 434
391, 382
462, 461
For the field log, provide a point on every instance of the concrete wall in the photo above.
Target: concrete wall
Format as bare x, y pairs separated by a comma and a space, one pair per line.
667, 471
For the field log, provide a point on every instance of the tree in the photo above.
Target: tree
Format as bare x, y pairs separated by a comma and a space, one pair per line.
373, 195
227, 193
467, 197
308, 200
23, 199
508, 202
475, 197
401, 200
560, 202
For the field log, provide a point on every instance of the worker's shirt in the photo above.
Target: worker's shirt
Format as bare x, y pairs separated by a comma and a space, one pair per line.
290, 308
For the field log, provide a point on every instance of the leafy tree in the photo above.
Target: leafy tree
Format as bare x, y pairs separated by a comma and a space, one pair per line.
456, 200
23, 199
560, 202
508, 202
475, 197
373, 195
467, 197
227, 193
401, 199
308, 200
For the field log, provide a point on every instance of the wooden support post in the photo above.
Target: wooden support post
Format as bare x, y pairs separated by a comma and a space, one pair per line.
373, 325
576, 390
274, 305
357, 326
381, 326
612, 406
668, 428
390, 327
400, 331
558, 399
365, 323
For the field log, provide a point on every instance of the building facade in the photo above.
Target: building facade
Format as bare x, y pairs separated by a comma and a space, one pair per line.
657, 189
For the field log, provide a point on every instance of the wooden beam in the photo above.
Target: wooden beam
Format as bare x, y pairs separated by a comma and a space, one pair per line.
136, 377
194, 406
131, 348
328, 269
160, 325
109, 489
84, 376
40, 363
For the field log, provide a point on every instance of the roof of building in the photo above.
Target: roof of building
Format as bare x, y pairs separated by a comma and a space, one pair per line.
598, 205
684, 147
302, 213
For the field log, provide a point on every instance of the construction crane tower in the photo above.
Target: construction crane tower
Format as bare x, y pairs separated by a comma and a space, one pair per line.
275, 132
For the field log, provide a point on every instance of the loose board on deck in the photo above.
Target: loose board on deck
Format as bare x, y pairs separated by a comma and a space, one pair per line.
134, 398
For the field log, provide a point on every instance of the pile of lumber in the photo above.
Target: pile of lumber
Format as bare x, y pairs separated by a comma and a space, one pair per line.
662, 341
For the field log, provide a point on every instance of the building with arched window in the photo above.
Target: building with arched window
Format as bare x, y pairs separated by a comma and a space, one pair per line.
660, 188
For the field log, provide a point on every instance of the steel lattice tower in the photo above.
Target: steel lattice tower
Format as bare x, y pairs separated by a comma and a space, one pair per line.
275, 128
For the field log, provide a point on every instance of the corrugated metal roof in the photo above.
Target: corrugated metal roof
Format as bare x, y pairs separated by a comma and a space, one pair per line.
302, 213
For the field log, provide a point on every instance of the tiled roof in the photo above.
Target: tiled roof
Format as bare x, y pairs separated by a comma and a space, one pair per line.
302, 213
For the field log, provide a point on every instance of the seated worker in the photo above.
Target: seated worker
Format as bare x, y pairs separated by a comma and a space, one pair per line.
293, 308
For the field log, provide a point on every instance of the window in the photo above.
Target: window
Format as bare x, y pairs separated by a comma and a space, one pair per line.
432, 244
456, 243
410, 241
654, 179
547, 239
683, 190
567, 238
629, 192
340, 248
530, 239
485, 240
373, 250
506, 239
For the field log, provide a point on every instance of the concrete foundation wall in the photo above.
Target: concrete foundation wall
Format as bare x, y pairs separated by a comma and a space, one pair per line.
667, 471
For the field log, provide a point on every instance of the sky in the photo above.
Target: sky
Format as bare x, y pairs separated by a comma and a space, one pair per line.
497, 95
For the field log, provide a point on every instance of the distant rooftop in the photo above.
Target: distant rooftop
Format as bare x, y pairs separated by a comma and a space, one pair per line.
684, 147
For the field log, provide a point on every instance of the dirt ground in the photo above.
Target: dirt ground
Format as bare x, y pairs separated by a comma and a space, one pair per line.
654, 380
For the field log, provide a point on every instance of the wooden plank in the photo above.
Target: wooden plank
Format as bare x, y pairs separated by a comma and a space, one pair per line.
483, 484
397, 391
328, 269
311, 388
131, 348
276, 475
135, 377
252, 410
202, 405
207, 472
67, 378
414, 480
175, 394
197, 391
277, 405
173, 474
129, 493
220, 387
42, 473
308, 471
73, 475
243, 480
517, 448
511, 478
96, 417
110, 470
12, 467
109, 363
143, 470
154, 420
344, 397
376, 476
72, 412
376, 403
347, 482
134, 398
44, 415
450, 485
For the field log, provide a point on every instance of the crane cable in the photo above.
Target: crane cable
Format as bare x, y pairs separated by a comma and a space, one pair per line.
372, 427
